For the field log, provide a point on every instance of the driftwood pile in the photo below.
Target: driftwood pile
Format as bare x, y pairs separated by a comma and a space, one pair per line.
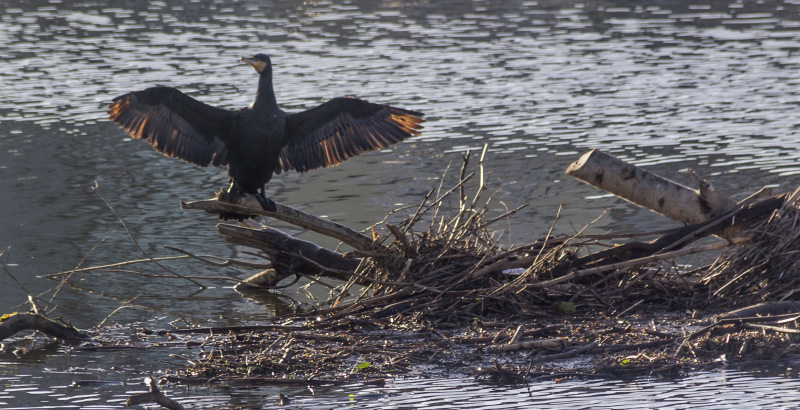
448, 294
438, 288
764, 270
453, 270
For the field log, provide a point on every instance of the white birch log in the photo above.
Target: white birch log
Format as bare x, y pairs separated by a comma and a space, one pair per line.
648, 190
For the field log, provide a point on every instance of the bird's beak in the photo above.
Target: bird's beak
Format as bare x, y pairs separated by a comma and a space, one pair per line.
257, 65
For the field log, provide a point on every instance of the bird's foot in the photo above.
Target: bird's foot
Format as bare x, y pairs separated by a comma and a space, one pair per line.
232, 195
266, 203
225, 195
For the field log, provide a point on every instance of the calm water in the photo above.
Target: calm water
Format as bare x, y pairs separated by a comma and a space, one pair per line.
712, 86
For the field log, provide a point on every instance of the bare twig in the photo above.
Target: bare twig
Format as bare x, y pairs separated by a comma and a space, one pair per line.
96, 188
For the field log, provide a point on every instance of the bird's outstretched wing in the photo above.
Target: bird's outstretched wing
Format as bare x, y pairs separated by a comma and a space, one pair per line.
341, 128
175, 124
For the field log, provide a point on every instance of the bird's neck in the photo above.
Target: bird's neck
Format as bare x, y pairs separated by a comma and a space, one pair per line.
265, 96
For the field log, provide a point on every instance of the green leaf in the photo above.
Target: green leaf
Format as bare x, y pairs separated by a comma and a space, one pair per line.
363, 365
566, 307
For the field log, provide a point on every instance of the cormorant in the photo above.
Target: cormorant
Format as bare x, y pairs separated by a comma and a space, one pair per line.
260, 139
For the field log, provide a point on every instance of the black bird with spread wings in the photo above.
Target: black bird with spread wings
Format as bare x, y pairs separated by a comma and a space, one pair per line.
260, 139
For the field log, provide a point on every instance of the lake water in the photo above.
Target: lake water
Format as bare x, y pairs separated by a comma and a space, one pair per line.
713, 86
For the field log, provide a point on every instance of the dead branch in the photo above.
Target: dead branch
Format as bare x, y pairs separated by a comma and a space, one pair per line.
207, 259
16, 322
287, 214
650, 191
289, 254
620, 256
153, 396
96, 189
113, 265
779, 329
642, 261
765, 309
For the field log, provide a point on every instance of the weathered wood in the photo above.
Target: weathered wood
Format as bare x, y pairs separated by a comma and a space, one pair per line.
153, 396
647, 190
289, 254
287, 214
268, 278
16, 322
608, 266
793, 199
633, 253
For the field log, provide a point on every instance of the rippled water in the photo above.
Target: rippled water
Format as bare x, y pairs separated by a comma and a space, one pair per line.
668, 85
708, 390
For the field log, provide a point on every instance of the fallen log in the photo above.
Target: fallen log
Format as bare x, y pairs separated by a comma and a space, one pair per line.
13, 323
290, 255
648, 190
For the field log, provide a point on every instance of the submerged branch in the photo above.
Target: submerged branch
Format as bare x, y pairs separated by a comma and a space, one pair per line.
96, 189
16, 322
113, 265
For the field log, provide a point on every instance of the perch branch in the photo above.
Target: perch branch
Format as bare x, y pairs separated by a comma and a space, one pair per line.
290, 215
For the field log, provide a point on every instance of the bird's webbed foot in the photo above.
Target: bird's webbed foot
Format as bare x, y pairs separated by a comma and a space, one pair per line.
266, 203
233, 196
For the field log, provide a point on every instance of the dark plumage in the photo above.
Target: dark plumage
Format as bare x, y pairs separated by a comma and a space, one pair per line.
261, 139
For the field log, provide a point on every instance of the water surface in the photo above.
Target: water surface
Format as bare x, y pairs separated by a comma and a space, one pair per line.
670, 86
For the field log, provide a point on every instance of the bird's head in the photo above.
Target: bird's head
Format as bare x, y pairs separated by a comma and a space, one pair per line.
259, 62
